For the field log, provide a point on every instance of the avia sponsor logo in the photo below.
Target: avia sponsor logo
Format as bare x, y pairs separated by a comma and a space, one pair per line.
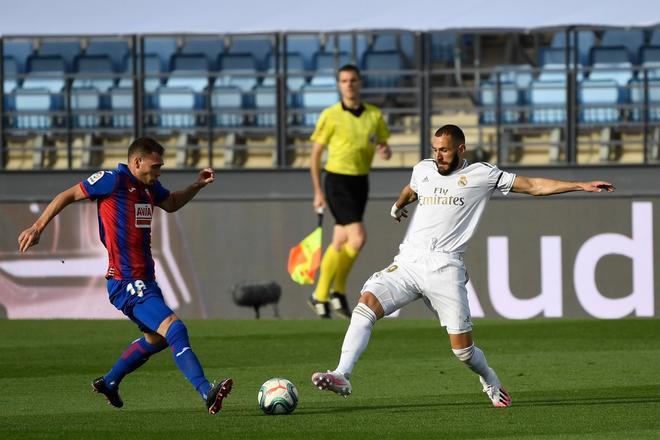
441, 196
143, 214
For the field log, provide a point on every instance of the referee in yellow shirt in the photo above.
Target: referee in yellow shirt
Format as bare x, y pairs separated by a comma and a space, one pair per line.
352, 131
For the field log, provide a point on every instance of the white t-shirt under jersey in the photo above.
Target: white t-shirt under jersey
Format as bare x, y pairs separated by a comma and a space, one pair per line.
449, 207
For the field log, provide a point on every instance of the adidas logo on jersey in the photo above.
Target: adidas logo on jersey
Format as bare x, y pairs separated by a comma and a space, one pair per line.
425, 179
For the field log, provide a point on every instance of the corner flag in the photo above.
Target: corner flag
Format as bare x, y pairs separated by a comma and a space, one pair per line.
305, 257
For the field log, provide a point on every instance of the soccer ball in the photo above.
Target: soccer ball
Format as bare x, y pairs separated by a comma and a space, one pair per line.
278, 396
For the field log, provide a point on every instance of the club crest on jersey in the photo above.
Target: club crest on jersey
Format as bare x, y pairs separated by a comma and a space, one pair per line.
143, 214
95, 177
462, 181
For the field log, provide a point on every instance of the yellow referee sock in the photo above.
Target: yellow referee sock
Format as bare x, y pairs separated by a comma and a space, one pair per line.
329, 264
346, 259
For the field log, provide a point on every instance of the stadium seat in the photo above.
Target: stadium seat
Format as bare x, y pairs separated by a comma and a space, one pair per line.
380, 69
121, 102
344, 43
637, 99
509, 97
326, 65
404, 43
68, 50
631, 40
189, 70
598, 101
612, 63
33, 107
163, 48
176, 107
211, 48
548, 101
116, 50
85, 105
95, 71
306, 45
256, 46
265, 103
654, 39
152, 72
521, 75
19, 50
295, 72
585, 41
45, 72
10, 70
650, 58
226, 102
314, 99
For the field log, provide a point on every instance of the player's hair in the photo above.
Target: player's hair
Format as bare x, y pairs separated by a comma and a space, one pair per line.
349, 68
453, 131
144, 146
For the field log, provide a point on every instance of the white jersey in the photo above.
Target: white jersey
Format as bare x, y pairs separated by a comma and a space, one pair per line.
450, 207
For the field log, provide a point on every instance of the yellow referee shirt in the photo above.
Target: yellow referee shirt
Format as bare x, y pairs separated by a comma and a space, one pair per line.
351, 140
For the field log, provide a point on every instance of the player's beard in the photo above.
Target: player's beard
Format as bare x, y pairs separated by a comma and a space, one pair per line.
452, 166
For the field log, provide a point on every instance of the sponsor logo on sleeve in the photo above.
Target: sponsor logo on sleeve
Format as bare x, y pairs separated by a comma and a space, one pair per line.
143, 214
95, 177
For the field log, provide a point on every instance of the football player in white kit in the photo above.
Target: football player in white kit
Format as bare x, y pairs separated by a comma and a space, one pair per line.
451, 196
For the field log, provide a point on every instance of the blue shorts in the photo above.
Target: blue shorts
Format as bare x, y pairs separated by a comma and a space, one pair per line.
141, 301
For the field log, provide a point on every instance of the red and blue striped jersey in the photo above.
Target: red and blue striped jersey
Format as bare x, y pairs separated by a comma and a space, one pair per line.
125, 209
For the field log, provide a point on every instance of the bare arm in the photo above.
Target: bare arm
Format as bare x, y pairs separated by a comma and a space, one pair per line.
539, 186
315, 172
30, 236
177, 199
406, 197
384, 151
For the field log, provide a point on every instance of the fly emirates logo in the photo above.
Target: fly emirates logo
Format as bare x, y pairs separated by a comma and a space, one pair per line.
143, 214
441, 196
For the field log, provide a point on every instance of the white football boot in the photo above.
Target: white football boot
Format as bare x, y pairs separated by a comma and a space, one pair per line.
498, 396
332, 381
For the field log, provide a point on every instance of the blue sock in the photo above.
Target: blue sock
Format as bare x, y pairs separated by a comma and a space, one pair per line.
130, 360
185, 359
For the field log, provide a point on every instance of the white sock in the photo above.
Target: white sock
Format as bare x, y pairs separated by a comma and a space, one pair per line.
356, 338
474, 358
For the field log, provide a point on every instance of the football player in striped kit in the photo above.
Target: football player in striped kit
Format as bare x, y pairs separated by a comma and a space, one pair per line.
125, 198
452, 195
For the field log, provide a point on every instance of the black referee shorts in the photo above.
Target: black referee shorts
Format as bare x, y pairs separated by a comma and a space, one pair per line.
346, 196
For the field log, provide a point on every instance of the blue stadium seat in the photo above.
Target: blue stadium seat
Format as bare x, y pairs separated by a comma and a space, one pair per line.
443, 45
94, 71
45, 72
176, 107
152, 71
509, 97
116, 50
257, 46
344, 43
611, 63
85, 106
637, 99
265, 103
295, 65
598, 100
121, 102
548, 101
314, 99
631, 40
404, 43
33, 106
189, 70
211, 48
391, 62
306, 46
654, 40
650, 58
163, 48
326, 65
19, 50
227, 105
519, 74
239, 70
10, 81
68, 50
585, 41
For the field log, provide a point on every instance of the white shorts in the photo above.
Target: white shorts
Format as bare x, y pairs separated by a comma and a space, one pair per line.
438, 278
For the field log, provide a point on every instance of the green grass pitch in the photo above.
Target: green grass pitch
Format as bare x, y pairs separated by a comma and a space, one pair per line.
567, 378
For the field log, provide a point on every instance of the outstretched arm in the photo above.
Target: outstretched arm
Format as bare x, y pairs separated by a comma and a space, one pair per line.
30, 236
177, 199
406, 197
539, 186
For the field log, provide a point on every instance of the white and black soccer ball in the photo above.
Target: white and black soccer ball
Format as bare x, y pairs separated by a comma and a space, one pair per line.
278, 396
